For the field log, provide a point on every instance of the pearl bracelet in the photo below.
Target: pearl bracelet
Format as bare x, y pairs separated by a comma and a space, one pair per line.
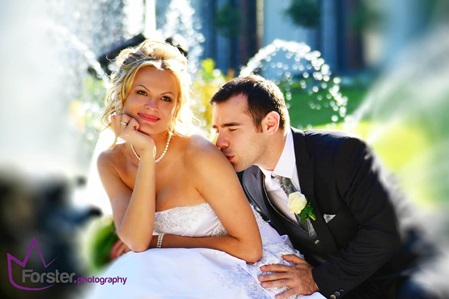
160, 237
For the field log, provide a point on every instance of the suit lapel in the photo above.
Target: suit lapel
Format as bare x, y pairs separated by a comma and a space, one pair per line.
305, 165
252, 184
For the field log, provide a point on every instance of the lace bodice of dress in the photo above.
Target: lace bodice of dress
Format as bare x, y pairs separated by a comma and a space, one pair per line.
191, 221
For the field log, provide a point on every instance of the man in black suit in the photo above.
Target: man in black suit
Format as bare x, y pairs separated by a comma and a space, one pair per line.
354, 238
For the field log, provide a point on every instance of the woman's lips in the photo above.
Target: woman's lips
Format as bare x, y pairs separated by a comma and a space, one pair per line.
148, 117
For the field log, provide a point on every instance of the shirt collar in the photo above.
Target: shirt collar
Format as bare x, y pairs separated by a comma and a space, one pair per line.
287, 162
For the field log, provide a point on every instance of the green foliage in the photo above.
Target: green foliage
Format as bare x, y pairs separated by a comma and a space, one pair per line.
303, 116
304, 13
206, 83
99, 243
227, 20
368, 15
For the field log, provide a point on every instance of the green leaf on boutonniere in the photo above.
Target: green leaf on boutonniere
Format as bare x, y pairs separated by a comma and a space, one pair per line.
307, 212
298, 204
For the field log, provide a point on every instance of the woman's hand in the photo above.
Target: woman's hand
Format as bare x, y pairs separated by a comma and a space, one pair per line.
127, 128
118, 249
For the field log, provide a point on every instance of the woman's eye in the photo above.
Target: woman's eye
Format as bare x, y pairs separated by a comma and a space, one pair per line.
141, 92
232, 129
167, 99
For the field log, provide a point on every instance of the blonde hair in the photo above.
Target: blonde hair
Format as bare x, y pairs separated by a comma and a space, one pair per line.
159, 55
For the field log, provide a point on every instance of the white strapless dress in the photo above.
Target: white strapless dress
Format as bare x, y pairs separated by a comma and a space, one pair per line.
179, 273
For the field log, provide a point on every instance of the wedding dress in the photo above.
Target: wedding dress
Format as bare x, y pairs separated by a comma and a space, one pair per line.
200, 273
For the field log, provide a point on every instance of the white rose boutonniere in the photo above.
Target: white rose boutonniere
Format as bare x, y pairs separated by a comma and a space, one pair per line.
298, 204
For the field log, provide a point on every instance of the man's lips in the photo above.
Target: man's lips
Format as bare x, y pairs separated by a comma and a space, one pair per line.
148, 117
229, 157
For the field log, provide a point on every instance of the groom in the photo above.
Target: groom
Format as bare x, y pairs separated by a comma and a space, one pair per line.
353, 236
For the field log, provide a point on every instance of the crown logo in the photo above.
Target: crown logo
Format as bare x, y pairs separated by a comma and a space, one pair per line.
11, 258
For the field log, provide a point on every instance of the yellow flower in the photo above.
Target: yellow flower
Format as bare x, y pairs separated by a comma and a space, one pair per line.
296, 202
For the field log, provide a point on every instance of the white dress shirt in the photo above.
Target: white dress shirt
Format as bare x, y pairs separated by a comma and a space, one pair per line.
285, 167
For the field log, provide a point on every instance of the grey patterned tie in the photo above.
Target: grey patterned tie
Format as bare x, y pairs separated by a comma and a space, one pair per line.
286, 184
288, 187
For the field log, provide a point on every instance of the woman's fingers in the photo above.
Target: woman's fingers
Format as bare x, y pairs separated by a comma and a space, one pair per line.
118, 249
115, 250
122, 119
123, 124
127, 128
133, 124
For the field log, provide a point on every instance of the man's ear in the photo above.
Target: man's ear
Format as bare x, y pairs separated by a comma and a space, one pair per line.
270, 123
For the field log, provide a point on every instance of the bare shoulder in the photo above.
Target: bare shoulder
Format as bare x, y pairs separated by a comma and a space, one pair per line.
110, 158
198, 144
200, 150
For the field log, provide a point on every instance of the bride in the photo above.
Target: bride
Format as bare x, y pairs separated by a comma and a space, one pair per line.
177, 203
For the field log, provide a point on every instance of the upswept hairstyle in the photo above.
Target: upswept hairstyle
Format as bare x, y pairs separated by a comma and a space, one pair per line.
159, 55
263, 97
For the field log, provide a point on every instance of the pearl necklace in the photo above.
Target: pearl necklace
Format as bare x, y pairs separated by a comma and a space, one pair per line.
163, 153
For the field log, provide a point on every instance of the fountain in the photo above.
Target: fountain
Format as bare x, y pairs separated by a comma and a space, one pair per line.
59, 101
295, 67
177, 18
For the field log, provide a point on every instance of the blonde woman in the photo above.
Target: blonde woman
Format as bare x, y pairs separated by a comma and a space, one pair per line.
183, 220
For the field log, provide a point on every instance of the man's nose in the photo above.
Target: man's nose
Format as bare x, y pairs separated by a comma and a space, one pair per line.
221, 142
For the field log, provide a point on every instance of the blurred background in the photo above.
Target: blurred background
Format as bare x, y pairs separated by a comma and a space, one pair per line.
378, 69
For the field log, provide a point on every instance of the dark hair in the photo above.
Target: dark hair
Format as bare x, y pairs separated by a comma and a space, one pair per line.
263, 97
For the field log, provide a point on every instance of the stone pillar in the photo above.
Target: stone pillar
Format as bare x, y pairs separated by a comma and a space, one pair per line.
328, 33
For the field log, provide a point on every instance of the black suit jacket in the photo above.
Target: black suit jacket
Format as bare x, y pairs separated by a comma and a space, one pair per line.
364, 241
